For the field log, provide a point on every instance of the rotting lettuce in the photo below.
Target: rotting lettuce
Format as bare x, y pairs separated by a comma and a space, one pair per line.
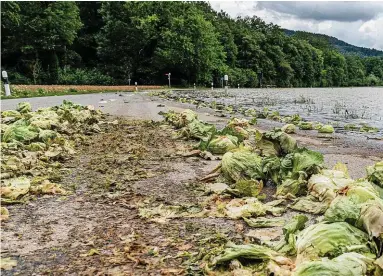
222, 144
326, 129
250, 252
241, 164
343, 208
331, 240
309, 204
264, 222
290, 230
307, 160
15, 187
289, 128
24, 107
375, 173
347, 264
249, 187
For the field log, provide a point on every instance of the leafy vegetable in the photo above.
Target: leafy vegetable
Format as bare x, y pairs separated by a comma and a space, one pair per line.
222, 144
331, 240
241, 164
289, 128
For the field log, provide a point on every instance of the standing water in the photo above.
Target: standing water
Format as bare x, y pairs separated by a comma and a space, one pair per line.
337, 106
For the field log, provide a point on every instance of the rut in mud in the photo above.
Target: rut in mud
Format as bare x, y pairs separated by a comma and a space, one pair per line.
97, 229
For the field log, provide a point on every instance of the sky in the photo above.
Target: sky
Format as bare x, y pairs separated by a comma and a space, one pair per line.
357, 23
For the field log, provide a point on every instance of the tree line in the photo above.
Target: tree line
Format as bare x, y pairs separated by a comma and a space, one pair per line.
108, 43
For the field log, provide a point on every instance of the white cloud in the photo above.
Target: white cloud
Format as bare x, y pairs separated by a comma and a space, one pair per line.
358, 23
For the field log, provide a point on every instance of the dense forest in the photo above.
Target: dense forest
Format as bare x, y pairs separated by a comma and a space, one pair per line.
111, 42
343, 47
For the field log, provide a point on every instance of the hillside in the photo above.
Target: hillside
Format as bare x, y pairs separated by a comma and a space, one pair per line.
321, 40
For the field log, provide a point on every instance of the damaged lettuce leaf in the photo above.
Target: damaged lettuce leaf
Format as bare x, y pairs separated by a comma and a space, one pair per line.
307, 160
331, 240
375, 173
326, 129
239, 208
271, 168
250, 188
20, 132
343, 208
222, 144
371, 218
325, 188
286, 143
238, 128
24, 107
347, 264
4, 213
249, 252
241, 164
15, 187
290, 230
264, 222
293, 187
198, 130
306, 125
309, 204
288, 128
362, 191
267, 147
180, 120
46, 135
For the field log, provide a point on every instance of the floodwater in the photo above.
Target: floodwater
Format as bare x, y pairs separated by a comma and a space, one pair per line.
337, 106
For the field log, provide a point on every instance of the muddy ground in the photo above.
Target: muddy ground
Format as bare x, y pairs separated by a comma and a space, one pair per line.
97, 228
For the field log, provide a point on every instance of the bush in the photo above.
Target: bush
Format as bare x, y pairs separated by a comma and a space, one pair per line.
17, 78
83, 77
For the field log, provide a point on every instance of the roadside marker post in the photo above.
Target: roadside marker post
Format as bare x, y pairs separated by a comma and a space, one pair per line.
7, 89
212, 86
194, 87
136, 86
226, 78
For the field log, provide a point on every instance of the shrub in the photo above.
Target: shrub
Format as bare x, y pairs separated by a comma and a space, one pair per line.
84, 77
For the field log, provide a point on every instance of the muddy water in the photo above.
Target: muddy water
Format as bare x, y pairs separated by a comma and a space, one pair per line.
338, 106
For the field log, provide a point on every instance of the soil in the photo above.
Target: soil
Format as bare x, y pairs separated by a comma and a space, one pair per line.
98, 230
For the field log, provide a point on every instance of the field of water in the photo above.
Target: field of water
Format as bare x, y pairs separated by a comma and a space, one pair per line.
337, 106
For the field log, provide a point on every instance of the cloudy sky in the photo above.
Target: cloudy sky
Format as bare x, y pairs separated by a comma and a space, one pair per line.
358, 23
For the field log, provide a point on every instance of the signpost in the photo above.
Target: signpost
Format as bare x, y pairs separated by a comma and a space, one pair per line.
4, 76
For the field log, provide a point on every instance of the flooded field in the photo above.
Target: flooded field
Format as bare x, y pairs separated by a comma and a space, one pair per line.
338, 106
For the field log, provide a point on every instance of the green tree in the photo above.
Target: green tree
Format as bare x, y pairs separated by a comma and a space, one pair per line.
45, 29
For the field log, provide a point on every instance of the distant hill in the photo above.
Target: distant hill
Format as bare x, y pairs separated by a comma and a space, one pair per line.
324, 41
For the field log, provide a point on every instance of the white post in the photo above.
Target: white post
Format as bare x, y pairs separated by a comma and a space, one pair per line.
226, 78
136, 86
169, 78
238, 85
212, 86
7, 89
194, 87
